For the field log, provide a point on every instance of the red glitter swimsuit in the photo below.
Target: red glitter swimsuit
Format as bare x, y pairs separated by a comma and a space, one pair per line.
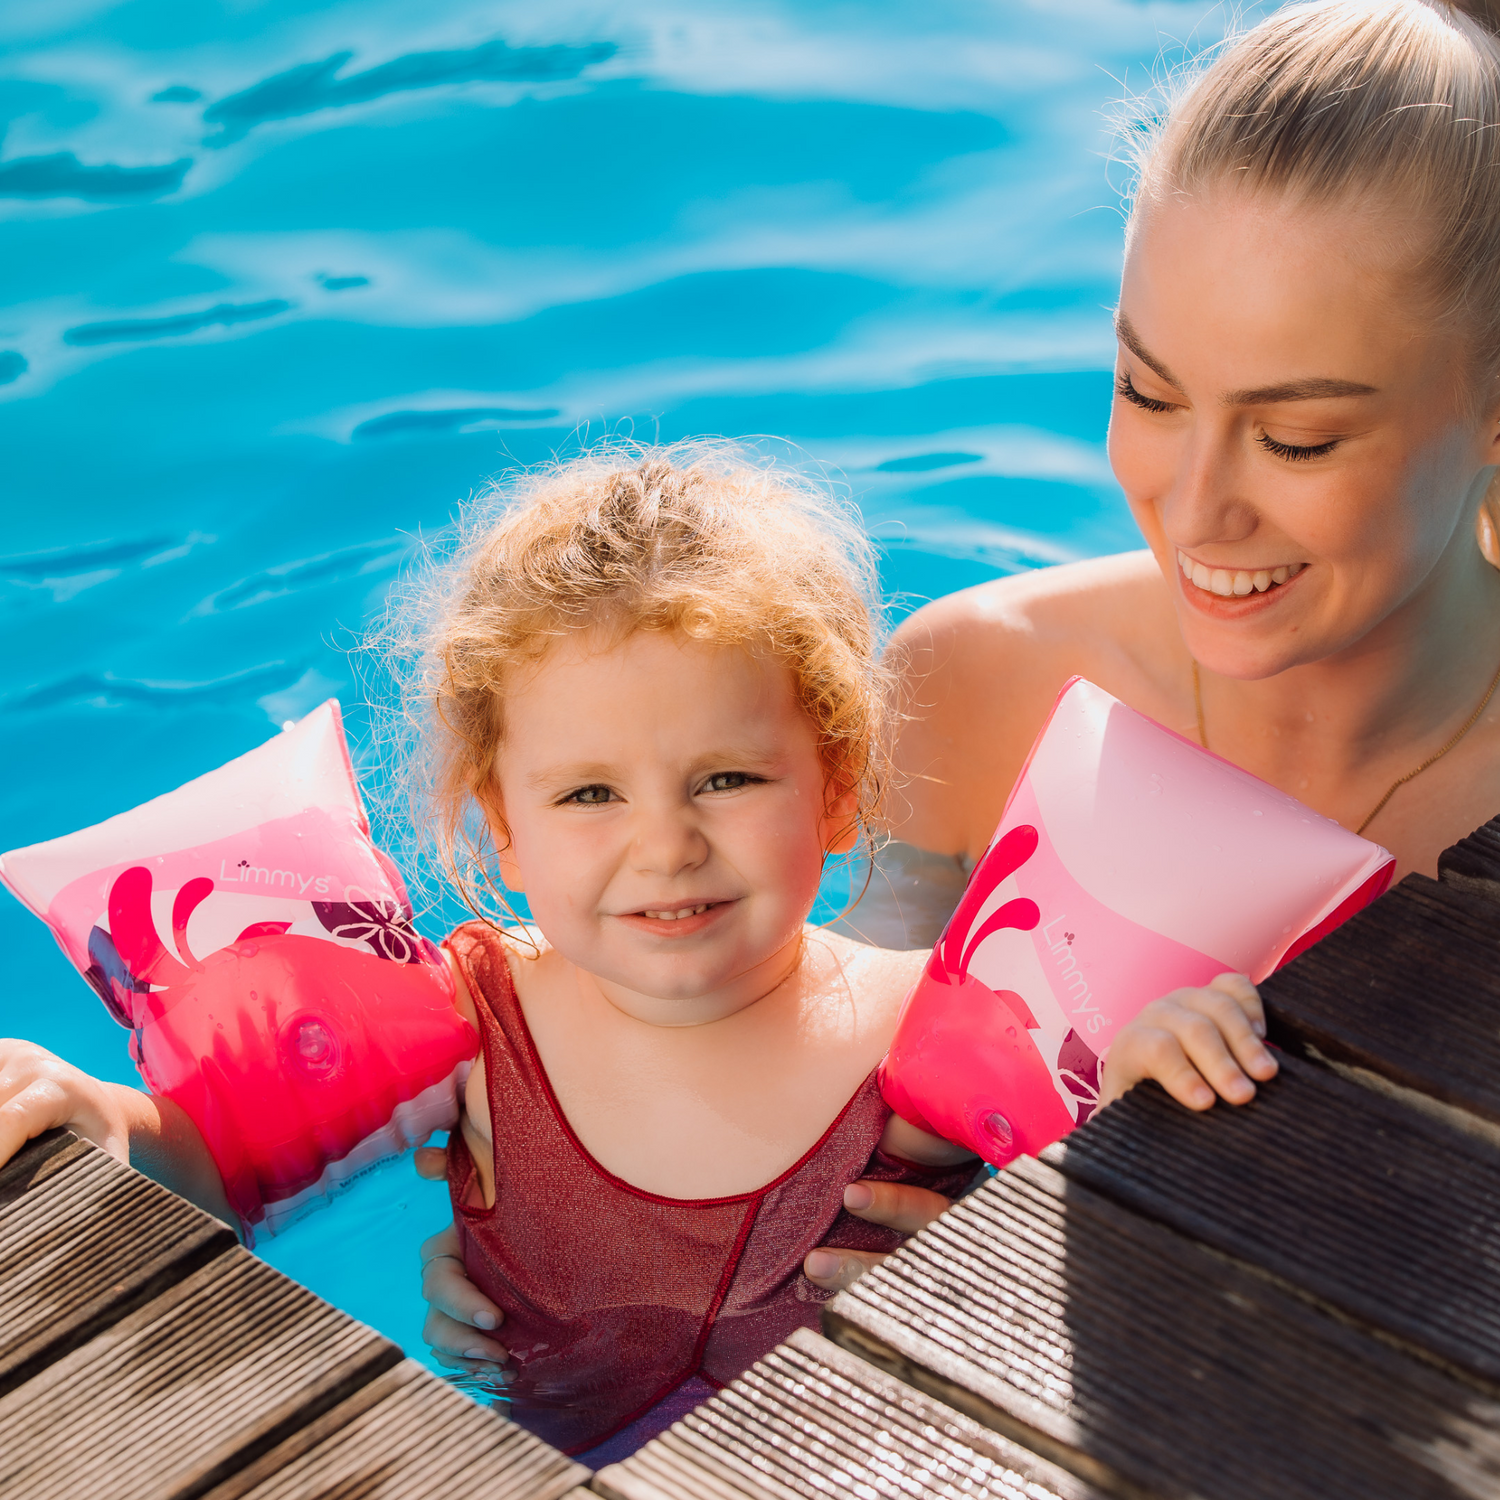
613, 1296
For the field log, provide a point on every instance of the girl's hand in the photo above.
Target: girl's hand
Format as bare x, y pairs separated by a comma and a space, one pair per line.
1194, 1043
39, 1091
457, 1310
898, 1205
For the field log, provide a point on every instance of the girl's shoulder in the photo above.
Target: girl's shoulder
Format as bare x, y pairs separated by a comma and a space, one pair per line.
473, 948
873, 981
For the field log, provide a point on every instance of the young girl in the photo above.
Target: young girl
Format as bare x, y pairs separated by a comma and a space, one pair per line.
658, 685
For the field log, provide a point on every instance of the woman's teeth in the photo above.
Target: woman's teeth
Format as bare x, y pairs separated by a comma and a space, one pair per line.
1239, 583
678, 915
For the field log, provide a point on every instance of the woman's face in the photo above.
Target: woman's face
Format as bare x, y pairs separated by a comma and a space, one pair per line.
1289, 429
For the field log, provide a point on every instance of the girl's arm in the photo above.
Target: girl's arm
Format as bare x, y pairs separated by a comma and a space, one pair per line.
1195, 1043
39, 1092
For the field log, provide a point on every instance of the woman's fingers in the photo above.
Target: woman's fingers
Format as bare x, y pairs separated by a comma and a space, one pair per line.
450, 1294
456, 1346
431, 1162
901, 1206
833, 1270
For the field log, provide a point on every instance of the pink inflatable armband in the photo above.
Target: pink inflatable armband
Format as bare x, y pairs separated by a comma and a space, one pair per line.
1129, 863
261, 951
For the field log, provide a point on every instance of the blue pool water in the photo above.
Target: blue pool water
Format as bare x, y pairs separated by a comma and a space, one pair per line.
284, 281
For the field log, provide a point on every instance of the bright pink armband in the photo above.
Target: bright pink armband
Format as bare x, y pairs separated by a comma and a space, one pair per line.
261, 950
1129, 862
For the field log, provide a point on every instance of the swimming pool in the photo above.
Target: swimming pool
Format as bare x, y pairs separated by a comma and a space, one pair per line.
285, 281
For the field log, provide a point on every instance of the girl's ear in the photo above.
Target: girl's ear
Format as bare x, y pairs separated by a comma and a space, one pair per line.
841, 822
493, 806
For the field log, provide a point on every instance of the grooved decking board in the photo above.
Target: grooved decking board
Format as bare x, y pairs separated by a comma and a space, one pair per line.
1408, 989
811, 1420
408, 1436
1151, 1366
186, 1390
1474, 863
83, 1241
1383, 1214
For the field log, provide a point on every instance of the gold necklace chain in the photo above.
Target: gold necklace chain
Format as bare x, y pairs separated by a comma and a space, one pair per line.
1400, 781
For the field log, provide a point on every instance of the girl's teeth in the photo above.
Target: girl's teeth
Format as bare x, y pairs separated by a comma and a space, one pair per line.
673, 916
1235, 585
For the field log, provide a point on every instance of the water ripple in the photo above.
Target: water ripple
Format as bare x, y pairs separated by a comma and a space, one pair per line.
105, 690
288, 578
223, 315
62, 175
314, 86
394, 422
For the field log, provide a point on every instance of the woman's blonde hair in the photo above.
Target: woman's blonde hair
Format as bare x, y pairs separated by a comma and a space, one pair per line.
699, 539
1390, 105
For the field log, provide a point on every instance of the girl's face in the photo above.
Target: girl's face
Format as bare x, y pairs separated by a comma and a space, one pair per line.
1289, 429
665, 805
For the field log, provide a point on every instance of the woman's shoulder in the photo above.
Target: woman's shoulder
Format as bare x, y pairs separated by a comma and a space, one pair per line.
981, 669
1063, 607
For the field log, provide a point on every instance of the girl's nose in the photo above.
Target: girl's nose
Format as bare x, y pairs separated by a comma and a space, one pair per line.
667, 843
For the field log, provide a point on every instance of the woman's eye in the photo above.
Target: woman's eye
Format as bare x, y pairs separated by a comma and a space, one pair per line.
590, 796
728, 781
1292, 452
1126, 391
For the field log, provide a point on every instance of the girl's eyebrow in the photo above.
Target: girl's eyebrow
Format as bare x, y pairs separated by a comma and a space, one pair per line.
1313, 388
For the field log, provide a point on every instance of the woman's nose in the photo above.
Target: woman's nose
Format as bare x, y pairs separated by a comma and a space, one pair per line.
1206, 500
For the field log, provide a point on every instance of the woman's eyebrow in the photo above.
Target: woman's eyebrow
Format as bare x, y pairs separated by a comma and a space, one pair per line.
1317, 388
1125, 332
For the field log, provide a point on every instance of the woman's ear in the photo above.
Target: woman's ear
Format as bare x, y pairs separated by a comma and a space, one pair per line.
1487, 522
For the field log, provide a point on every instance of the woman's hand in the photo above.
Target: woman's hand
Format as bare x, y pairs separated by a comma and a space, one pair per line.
897, 1205
1194, 1043
458, 1313
39, 1091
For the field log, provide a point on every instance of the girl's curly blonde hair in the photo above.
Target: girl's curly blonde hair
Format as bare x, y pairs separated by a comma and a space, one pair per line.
700, 539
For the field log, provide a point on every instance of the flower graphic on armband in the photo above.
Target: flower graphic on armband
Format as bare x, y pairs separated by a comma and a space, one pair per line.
384, 925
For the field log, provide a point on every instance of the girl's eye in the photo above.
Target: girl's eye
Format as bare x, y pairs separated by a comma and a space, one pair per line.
1292, 452
1127, 392
590, 796
729, 781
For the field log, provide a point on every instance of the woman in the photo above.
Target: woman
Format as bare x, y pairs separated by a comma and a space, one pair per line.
1306, 422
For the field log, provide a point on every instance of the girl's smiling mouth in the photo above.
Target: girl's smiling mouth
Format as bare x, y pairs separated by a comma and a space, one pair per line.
675, 920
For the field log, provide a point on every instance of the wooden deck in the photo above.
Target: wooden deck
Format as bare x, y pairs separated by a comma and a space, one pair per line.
1299, 1298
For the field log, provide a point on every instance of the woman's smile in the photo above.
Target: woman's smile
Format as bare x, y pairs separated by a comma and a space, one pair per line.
1236, 583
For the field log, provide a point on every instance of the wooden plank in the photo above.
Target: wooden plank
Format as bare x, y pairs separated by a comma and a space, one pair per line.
811, 1420
1407, 991
1352, 1198
84, 1241
1473, 864
408, 1436
186, 1390
1151, 1366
